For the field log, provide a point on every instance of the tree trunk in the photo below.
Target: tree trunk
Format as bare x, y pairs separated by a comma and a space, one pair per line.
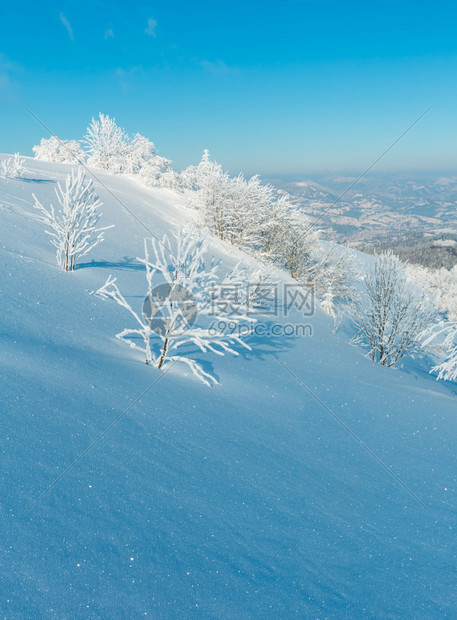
163, 355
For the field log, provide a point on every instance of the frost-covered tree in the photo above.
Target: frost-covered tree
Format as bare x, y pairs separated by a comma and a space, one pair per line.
444, 334
208, 182
107, 144
195, 177
13, 167
329, 270
180, 304
247, 204
297, 241
440, 283
390, 315
59, 151
170, 178
228, 207
157, 171
328, 304
73, 225
275, 223
218, 198
138, 150
111, 148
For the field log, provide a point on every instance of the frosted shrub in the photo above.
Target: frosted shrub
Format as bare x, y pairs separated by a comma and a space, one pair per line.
441, 283
59, 151
157, 171
137, 151
182, 296
444, 332
390, 315
107, 144
111, 148
72, 227
13, 167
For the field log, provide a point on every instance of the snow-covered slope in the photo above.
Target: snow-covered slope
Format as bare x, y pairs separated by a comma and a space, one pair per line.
245, 500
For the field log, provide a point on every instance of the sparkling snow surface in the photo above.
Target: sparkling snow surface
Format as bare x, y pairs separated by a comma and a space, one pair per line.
247, 500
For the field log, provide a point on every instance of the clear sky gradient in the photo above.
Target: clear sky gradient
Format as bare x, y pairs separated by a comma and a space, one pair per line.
275, 88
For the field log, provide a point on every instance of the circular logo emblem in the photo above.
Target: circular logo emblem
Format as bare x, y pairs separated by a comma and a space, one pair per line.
169, 307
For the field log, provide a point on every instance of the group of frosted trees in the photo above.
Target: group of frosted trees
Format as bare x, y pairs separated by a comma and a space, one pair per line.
110, 147
392, 318
255, 217
243, 212
59, 151
166, 325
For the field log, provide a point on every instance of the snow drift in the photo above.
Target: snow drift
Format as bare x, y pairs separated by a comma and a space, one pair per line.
249, 499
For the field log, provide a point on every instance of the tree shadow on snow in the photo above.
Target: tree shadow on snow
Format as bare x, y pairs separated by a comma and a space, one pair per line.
127, 263
265, 342
262, 346
37, 180
420, 371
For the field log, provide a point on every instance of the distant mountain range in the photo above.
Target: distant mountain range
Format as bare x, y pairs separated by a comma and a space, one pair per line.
379, 209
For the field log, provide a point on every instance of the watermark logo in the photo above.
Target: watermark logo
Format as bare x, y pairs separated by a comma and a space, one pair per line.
251, 299
168, 303
299, 298
253, 306
262, 329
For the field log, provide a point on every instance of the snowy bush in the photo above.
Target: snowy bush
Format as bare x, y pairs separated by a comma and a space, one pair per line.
107, 144
184, 293
137, 151
170, 179
157, 171
441, 283
73, 226
194, 177
13, 167
329, 271
59, 151
390, 315
446, 333
111, 148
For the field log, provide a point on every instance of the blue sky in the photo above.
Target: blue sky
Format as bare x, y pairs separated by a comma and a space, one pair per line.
275, 88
